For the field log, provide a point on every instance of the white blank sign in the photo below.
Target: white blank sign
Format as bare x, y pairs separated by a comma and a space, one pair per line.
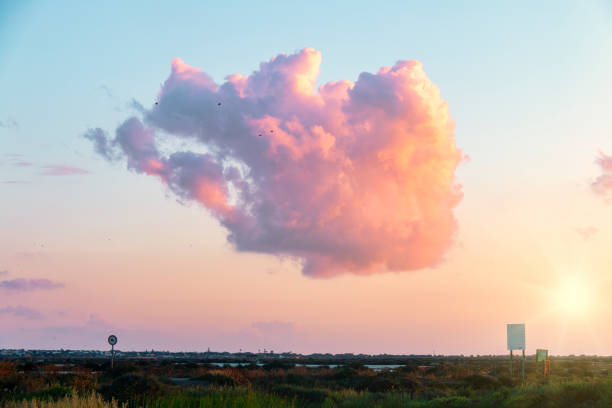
516, 336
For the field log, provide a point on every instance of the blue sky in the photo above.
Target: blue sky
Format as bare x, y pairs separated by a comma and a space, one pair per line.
535, 75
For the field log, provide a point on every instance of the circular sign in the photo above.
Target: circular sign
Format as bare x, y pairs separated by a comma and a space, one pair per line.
112, 339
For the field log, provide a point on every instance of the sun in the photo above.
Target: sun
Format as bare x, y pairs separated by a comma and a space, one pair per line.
574, 297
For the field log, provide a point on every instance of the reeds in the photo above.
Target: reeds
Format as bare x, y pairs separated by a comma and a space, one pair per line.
89, 401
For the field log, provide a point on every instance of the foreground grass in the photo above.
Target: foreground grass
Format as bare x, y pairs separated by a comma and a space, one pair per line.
90, 401
572, 394
223, 398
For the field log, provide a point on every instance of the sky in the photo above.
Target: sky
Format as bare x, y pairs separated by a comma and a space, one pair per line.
426, 173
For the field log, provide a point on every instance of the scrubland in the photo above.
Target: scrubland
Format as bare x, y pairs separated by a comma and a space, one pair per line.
575, 382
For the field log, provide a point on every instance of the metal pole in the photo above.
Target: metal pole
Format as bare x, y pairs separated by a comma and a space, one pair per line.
523, 365
112, 356
510, 363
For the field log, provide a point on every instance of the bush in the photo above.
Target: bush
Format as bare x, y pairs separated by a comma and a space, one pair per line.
216, 379
482, 382
119, 370
308, 395
299, 379
7, 369
52, 393
132, 387
381, 384
580, 394
278, 365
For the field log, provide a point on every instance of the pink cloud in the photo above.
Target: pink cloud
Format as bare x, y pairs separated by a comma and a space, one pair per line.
603, 184
586, 232
22, 312
27, 285
17, 160
61, 170
354, 177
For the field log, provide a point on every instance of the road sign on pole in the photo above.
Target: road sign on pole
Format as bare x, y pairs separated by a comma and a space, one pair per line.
112, 340
516, 341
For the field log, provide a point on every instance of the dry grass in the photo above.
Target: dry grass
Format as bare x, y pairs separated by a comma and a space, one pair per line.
90, 401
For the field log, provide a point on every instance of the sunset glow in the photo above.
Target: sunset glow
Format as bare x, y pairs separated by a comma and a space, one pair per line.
344, 177
574, 297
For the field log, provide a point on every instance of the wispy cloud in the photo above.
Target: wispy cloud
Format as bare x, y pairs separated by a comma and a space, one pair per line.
107, 91
22, 163
17, 160
275, 327
61, 170
95, 320
28, 285
13, 182
2, 273
21, 311
9, 123
102, 145
586, 232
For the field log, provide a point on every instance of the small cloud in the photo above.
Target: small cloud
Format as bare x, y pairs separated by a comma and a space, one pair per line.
2, 273
30, 255
13, 182
21, 163
603, 183
137, 106
21, 311
107, 91
272, 334
586, 232
96, 320
61, 170
16, 160
9, 124
275, 327
28, 285
102, 146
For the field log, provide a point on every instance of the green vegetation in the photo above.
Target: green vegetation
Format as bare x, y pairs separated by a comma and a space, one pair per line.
576, 382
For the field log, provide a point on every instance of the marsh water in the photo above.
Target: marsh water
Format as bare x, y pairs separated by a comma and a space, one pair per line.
375, 367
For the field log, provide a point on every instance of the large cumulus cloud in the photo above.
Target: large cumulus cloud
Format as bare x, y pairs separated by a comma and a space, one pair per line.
350, 177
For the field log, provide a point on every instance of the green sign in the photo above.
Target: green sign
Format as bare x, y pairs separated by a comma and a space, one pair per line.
541, 355
516, 336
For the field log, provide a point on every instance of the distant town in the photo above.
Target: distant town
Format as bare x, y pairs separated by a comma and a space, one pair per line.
262, 356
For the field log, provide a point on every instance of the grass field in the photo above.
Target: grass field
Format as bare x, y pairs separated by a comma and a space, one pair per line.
574, 394
576, 382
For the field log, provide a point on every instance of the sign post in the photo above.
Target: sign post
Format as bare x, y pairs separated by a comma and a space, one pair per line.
516, 341
542, 356
112, 340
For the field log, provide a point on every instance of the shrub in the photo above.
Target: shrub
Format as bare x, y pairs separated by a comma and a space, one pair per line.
278, 365
216, 379
133, 387
482, 382
52, 393
308, 395
381, 384
7, 369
